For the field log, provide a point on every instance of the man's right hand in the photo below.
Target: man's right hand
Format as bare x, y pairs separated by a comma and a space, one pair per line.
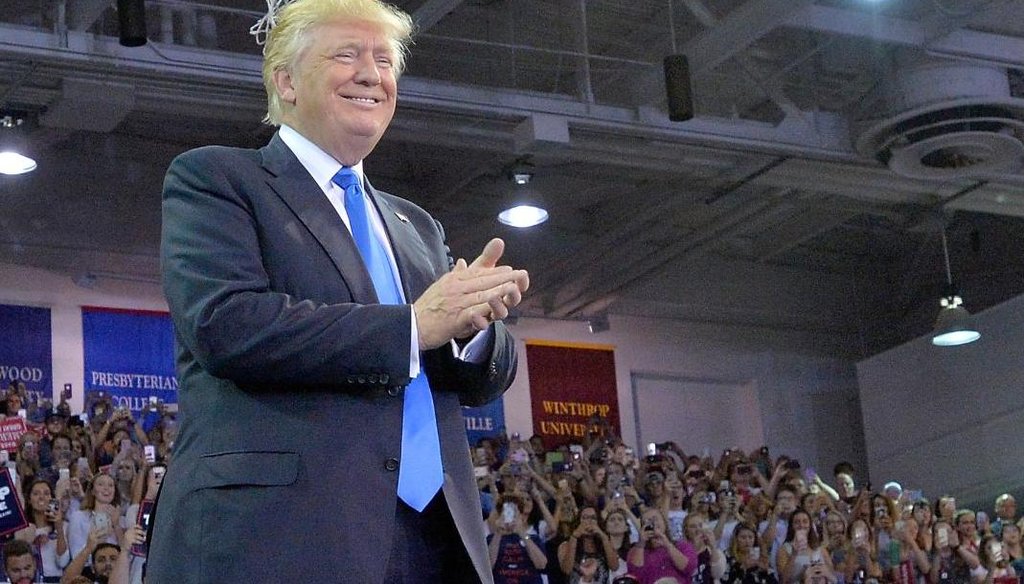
470, 297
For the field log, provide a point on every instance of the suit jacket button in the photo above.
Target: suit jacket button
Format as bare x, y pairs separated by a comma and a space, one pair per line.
383, 377
391, 464
361, 379
394, 390
373, 378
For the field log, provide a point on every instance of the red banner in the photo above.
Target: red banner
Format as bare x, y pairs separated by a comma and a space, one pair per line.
10, 430
572, 390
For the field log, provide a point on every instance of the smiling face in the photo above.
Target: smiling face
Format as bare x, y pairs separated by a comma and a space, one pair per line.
342, 90
40, 497
103, 487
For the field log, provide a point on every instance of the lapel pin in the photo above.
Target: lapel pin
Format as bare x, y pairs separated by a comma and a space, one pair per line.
401, 217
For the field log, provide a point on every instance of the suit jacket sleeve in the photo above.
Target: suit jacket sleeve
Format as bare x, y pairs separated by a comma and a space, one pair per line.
257, 299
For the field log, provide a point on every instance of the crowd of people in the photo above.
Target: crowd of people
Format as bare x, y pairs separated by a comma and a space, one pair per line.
596, 512
86, 485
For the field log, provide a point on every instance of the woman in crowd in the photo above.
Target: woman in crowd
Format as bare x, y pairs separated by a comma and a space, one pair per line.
711, 563
746, 563
861, 560
801, 550
922, 513
588, 541
98, 509
945, 507
993, 558
617, 526
913, 565
952, 563
835, 539
1012, 546
516, 556
883, 518
967, 529
45, 531
656, 556
27, 458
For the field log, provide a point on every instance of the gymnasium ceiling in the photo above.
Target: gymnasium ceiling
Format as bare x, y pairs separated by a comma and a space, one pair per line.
832, 142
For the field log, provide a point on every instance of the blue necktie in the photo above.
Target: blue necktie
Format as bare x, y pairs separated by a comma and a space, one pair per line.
420, 474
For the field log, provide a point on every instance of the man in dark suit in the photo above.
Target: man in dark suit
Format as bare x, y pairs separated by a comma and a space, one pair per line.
293, 369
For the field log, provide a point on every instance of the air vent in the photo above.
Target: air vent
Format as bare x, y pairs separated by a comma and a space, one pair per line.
954, 120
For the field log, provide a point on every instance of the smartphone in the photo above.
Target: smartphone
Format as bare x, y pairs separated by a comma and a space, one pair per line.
64, 474
150, 451
996, 551
860, 535
4, 456
23, 413
478, 471
755, 553
576, 449
53, 505
100, 520
158, 472
508, 513
652, 449
126, 445
66, 393
942, 537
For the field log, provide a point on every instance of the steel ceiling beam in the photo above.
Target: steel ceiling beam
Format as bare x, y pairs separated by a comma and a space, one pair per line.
737, 31
431, 12
959, 44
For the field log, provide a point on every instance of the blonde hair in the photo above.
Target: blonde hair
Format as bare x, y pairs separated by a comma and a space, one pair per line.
291, 35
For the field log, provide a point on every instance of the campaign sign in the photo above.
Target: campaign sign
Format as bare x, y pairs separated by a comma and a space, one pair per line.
25, 350
12, 518
142, 519
485, 421
129, 356
11, 430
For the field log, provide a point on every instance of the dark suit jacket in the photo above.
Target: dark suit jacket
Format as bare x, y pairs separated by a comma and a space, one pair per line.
291, 378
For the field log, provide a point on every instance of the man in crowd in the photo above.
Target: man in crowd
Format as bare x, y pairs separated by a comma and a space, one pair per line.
325, 337
102, 554
1006, 512
19, 562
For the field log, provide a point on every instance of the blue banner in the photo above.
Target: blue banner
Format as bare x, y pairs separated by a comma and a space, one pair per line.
129, 357
485, 421
25, 353
12, 518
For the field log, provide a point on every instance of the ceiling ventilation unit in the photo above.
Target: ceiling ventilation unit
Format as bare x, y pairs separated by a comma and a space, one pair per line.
954, 120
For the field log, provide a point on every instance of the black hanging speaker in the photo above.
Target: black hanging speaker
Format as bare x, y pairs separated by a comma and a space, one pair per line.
677, 87
131, 18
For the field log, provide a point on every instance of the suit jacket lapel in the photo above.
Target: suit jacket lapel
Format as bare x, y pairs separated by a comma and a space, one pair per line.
290, 180
414, 266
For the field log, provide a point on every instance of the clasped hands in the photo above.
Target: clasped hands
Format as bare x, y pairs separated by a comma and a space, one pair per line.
469, 298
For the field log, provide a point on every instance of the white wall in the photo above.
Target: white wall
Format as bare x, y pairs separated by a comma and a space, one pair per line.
34, 287
949, 419
800, 397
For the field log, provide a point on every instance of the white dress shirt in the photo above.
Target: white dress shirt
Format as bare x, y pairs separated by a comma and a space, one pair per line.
322, 167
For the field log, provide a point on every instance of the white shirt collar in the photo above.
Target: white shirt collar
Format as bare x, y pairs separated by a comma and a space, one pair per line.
321, 165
